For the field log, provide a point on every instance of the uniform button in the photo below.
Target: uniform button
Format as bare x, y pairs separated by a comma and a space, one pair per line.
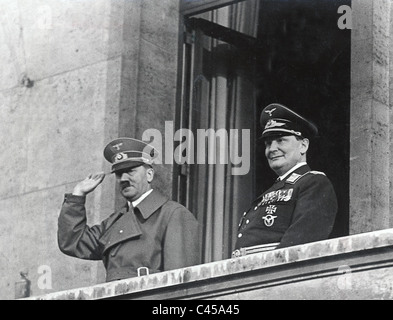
121, 231
247, 221
240, 235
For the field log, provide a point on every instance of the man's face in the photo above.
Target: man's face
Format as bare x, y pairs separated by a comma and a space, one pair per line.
284, 152
134, 182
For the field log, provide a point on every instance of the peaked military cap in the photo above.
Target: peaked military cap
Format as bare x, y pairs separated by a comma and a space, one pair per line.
277, 119
126, 153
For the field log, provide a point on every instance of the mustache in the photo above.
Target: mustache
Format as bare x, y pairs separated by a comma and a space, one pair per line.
124, 184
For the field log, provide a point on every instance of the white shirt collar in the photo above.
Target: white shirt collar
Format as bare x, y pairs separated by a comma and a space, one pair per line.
300, 164
140, 199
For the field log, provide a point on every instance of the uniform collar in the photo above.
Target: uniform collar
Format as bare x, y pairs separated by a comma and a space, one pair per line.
300, 170
140, 199
151, 203
293, 169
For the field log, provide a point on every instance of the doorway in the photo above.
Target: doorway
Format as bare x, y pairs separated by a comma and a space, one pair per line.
303, 62
236, 60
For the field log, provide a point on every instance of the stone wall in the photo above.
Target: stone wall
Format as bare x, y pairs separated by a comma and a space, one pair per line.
75, 74
371, 116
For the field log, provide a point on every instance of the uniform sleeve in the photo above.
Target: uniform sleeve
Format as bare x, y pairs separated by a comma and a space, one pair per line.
181, 241
74, 237
314, 214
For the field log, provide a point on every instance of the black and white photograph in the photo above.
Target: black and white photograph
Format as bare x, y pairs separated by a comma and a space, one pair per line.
200, 150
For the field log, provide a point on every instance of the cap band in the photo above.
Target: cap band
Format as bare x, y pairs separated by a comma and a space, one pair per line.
296, 133
130, 156
127, 165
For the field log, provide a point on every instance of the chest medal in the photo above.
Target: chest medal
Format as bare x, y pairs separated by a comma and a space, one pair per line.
269, 219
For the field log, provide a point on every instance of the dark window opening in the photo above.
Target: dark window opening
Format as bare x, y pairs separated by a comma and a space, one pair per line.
304, 63
237, 60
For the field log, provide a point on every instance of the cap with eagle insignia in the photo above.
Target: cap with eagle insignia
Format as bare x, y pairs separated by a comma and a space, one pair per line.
126, 153
277, 119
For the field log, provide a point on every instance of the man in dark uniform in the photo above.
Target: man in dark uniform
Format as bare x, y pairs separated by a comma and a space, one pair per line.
151, 234
301, 205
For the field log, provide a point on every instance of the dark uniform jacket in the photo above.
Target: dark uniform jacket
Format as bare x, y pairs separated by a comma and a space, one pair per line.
159, 234
300, 209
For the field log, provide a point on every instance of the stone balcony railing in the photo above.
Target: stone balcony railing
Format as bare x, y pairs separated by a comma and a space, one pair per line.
353, 267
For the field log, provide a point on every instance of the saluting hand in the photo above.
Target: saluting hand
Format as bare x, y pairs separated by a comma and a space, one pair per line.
89, 184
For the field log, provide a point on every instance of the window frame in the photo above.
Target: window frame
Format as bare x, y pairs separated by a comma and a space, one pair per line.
193, 7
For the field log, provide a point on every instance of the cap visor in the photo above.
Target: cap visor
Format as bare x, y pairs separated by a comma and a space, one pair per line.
126, 165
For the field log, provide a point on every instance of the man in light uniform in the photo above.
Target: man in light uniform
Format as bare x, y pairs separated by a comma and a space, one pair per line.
151, 234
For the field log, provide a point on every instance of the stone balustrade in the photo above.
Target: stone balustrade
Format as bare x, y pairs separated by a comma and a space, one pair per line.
353, 267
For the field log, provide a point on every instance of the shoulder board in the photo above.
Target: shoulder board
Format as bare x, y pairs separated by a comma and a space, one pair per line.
317, 172
294, 177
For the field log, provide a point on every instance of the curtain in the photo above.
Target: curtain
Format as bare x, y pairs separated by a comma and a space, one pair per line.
222, 98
